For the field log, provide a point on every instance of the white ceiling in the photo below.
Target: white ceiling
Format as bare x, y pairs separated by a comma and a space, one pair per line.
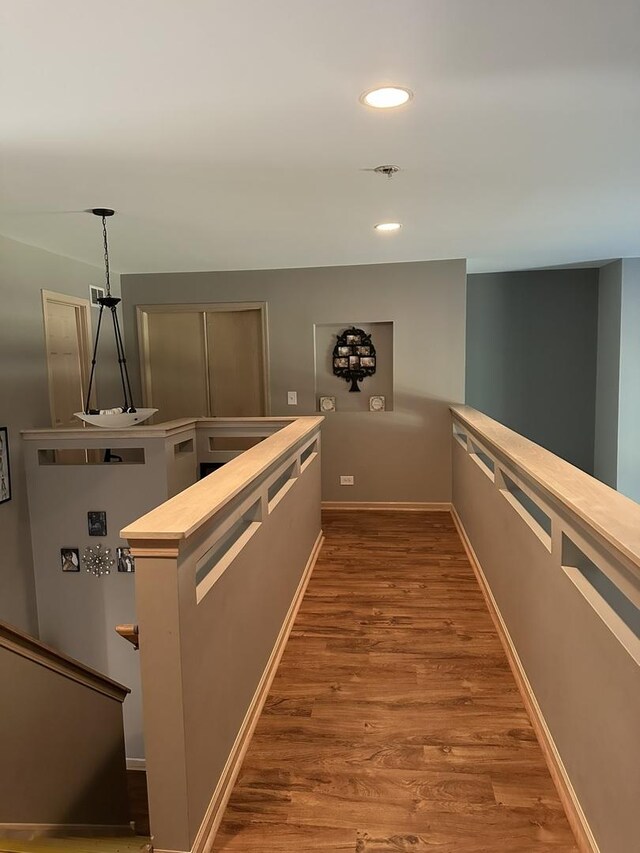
228, 133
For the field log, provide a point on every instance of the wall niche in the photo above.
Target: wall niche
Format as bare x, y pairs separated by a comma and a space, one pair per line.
329, 385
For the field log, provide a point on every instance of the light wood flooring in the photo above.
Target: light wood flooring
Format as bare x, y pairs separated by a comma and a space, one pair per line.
394, 722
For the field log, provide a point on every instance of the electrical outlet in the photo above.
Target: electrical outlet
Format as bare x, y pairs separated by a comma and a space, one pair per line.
347, 480
292, 398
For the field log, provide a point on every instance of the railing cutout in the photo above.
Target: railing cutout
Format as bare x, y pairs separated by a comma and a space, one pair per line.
618, 612
212, 565
460, 435
281, 485
482, 459
308, 455
526, 507
183, 447
91, 456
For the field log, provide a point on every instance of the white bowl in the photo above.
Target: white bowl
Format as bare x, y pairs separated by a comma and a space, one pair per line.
124, 419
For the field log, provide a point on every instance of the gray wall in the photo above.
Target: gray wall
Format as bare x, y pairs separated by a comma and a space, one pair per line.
403, 455
24, 400
629, 394
605, 465
531, 356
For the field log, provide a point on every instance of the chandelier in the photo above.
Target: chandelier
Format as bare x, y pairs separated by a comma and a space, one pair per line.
127, 414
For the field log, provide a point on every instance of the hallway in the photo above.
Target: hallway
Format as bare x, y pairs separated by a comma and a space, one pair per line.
394, 722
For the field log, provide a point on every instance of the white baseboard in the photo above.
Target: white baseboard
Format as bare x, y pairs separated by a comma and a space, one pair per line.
568, 797
215, 810
397, 506
136, 763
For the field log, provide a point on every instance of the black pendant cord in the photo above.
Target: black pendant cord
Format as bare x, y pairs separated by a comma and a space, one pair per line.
93, 362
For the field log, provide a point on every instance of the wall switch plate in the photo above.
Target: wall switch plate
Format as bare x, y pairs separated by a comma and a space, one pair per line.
292, 398
347, 480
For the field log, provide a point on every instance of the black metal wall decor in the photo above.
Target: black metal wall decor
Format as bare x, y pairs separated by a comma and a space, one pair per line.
354, 356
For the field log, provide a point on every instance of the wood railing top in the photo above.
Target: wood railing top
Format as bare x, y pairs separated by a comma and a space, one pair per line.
612, 516
18, 642
183, 514
162, 430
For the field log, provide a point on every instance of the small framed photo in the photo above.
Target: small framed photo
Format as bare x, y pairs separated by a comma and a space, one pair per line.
344, 350
5, 474
327, 404
364, 350
354, 361
126, 562
70, 559
353, 339
95, 293
341, 362
368, 361
97, 520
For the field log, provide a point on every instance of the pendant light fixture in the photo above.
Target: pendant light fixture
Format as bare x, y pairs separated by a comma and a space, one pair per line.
126, 414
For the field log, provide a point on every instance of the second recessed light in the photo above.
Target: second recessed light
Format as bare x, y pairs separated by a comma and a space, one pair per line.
388, 226
386, 97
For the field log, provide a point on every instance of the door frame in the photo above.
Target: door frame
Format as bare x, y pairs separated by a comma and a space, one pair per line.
142, 315
85, 342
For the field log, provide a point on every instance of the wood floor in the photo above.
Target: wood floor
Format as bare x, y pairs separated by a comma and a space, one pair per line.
394, 723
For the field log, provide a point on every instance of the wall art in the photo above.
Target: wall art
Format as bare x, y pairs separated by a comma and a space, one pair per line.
97, 560
97, 520
5, 474
377, 403
327, 404
125, 560
354, 356
70, 559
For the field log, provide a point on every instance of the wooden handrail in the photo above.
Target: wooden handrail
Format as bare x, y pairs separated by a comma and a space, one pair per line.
129, 633
612, 516
180, 516
23, 644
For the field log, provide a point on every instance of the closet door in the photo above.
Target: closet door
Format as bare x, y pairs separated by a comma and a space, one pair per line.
236, 364
175, 364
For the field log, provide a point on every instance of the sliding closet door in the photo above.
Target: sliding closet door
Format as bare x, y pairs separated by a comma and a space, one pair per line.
175, 364
236, 364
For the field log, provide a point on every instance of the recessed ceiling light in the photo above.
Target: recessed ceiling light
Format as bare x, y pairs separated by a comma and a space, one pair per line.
388, 226
387, 97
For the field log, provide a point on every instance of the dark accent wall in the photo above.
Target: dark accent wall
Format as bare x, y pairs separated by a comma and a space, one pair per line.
531, 356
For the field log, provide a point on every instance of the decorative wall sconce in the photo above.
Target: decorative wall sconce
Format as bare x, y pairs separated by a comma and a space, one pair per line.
354, 356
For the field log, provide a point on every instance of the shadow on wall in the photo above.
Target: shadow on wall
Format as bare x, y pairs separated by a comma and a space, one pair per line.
532, 354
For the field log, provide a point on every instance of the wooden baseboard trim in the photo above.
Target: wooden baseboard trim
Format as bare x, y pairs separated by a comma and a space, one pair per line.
576, 817
211, 822
29, 831
397, 506
136, 763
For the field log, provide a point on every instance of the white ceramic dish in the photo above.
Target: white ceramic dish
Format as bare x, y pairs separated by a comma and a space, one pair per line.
119, 421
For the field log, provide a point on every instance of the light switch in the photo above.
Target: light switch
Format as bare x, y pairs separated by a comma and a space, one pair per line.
292, 398
347, 480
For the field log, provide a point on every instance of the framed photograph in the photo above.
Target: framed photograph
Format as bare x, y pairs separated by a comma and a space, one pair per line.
364, 350
353, 339
126, 563
70, 559
341, 362
368, 361
5, 474
97, 522
344, 350
354, 361
95, 293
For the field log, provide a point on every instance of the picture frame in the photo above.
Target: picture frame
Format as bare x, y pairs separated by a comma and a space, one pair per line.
327, 404
344, 351
341, 362
5, 470
70, 559
125, 560
97, 522
367, 361
96, 293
